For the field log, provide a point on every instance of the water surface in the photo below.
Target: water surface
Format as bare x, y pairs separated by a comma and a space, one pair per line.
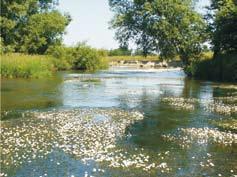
118, 122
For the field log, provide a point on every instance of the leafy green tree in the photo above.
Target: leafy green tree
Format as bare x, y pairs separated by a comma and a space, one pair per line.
31, 25
168, 27
43, 30
223, 25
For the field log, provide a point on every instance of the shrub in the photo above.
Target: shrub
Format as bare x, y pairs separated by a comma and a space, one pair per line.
80, 57
63, 58
86, 58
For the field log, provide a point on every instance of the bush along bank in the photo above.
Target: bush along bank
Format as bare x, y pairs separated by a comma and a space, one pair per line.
220, 68
82, 57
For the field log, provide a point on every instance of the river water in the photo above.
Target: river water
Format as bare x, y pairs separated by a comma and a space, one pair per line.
118, 122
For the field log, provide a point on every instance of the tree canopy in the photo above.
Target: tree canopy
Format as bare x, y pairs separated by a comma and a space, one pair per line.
223, 25
166, 26
31, 25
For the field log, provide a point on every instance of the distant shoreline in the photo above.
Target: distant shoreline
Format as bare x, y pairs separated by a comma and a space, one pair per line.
146, 64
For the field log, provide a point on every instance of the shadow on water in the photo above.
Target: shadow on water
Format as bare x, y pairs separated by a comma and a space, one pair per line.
19, 95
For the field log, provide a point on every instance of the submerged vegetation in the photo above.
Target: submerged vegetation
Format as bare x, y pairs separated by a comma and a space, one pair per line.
119, 122
228, 124
121, 125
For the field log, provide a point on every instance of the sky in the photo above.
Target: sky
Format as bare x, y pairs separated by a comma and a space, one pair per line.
90, 22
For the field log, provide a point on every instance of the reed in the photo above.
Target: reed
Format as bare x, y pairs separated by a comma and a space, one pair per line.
26, 66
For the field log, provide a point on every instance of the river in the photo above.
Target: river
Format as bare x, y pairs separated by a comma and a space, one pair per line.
118, 122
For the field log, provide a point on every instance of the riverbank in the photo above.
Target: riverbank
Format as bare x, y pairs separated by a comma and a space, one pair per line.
18, 65
26, 66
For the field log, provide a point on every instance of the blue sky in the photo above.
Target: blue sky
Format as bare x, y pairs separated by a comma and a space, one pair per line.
90, 22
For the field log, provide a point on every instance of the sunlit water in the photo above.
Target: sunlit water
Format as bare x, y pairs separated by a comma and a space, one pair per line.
118, 122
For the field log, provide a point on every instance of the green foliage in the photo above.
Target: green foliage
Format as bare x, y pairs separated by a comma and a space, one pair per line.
31, 26
223, 31
80, 57
63, 56
169, 27
59, 58
121, 51
26, 66
103, 52
223, 14
228, 124
87, 58
222, 68
42, 31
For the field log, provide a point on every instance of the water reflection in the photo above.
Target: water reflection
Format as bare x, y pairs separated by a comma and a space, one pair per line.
23, 94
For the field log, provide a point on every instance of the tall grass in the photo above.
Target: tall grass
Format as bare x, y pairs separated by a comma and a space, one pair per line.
25, 66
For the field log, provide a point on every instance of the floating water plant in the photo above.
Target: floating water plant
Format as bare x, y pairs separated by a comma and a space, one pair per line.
187, 136
180, 103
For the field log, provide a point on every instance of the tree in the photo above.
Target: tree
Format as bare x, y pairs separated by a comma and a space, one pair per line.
223, 26
31, 25
168, 27
43, 30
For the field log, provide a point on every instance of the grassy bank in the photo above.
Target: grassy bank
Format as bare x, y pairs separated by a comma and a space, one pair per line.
26, 66
38, 66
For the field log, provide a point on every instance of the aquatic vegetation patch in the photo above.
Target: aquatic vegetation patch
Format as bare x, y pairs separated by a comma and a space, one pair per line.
222, 108
229, 124
83, 136
227, 99
86, 134
187, 136
96, 80
181, 103
25, 141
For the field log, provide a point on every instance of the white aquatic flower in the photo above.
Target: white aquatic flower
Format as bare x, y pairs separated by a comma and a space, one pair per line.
163, 165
